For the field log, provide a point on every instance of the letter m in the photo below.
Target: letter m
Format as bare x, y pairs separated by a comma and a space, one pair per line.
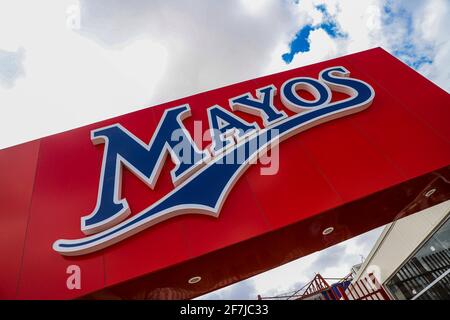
145, 161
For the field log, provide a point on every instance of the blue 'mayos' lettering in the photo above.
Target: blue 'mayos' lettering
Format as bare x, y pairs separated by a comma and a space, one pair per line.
338, 79
205, 191
262, 107
222, 124
144, 160
295, 103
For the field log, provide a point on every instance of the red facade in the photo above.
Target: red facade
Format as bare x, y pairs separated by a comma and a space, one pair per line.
354, 174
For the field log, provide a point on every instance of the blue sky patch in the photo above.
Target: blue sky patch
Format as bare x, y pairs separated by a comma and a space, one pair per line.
11, 67
301, 41
405, 49
299, 44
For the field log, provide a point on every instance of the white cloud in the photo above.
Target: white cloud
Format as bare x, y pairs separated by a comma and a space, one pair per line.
255, 6
127, 55
136, 53
433, 24
209, 44
71, 80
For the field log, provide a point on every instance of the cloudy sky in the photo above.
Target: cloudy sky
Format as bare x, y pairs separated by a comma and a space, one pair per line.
67, 63
333, 262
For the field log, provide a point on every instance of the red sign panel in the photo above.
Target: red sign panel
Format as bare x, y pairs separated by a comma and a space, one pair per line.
360, 140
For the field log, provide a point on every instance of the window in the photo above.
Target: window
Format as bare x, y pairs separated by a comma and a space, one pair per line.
429, 262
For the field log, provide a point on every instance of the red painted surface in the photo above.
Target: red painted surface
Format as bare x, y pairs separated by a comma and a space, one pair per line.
354, 173
18, 167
